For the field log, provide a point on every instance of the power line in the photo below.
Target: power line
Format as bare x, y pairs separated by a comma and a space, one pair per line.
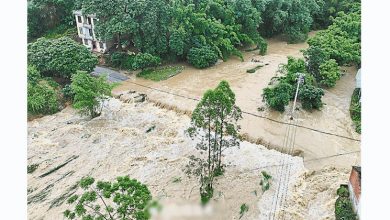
250, 113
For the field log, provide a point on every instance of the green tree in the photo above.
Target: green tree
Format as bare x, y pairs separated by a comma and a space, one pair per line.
62, 57
202, 57
278, 96
124, 198
89, 93
314, 57
42, 97
310, 97
329, 73
145, 60
214, 123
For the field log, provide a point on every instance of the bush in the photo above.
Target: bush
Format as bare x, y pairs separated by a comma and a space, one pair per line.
293, 66
41, 98
355, 110
262, 45
329, 73
278, 96
310, 97
123, 199
145, 60
343, 205
202, 57
33, 75
61, 56
117, 59
68, 92
89, 93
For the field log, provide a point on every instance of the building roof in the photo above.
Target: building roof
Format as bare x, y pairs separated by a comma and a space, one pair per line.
358, 78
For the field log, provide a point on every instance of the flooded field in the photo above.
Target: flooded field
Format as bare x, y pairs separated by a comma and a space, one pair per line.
67, 147
333, 118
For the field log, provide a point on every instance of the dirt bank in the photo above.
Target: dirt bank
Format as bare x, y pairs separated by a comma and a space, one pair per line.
67, 147
334, 117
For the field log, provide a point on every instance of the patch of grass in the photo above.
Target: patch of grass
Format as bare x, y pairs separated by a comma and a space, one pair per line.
31, 168
161, 73
254, 69
244, 208
355, 110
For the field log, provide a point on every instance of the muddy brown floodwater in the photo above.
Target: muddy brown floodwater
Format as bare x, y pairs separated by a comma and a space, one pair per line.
333, 118
67, 147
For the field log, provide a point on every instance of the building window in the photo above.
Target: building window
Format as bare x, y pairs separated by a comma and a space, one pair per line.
89, 20
90, 33
81, 30
85, 42
101, 45
79, 19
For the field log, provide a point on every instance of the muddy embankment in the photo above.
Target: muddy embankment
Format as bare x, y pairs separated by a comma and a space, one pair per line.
333, 118
148, 143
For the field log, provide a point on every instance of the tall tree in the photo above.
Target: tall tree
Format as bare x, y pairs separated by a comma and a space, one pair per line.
214, 124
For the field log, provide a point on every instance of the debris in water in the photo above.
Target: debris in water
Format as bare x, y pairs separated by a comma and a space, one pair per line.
151, 128
31, 168
59, 167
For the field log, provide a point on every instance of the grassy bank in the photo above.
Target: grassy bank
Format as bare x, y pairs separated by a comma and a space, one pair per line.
355, 110
161, 73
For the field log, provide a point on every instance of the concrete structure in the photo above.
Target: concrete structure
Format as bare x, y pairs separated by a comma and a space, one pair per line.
358, 79
85, 29
354, 187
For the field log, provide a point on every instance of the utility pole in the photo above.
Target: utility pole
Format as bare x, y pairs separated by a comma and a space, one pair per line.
300, 80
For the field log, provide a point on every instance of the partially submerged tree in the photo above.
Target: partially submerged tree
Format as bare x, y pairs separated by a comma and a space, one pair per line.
89, 93
123, 199
214, 124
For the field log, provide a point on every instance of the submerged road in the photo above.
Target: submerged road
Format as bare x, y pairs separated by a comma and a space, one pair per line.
112, 75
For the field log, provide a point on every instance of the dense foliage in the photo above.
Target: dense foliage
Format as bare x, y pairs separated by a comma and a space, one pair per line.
145, 60
278, 96
310, 97
343, 205
89, 93
46, 15
329, 9
42, 97
62, 57
202, 57
293, 18
341, 41
214, 125
355, 109
124, 198
329, 73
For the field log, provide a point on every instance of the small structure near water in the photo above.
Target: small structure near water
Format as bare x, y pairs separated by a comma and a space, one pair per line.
354, 187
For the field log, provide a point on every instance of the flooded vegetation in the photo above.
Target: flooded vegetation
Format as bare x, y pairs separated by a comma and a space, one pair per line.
148, 143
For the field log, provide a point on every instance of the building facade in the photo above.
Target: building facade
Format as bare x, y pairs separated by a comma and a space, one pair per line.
86, 32
354, 187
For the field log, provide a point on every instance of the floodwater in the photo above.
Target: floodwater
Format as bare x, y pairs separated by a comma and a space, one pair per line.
333, 118
116, 143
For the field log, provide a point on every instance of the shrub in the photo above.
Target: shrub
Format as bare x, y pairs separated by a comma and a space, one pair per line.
41, 98
123, 199
117, 59
33, 75
145, 60
293, 66
61, 56
278, 96
355, 109
202, 57
329, 73
243, 208
68, 92
89, 93
343, 205
262, 45
310, 97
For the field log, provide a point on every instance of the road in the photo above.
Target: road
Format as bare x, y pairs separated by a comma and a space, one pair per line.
113, 76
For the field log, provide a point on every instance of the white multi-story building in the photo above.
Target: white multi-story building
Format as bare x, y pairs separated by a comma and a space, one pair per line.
85, 29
